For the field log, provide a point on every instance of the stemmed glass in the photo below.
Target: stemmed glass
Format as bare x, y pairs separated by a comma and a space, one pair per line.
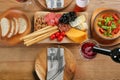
86, 49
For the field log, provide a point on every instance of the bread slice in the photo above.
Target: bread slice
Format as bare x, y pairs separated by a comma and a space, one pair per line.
5, 26
16, 25
22, 25
11, 33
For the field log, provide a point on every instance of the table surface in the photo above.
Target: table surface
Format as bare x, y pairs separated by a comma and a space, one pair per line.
17, 63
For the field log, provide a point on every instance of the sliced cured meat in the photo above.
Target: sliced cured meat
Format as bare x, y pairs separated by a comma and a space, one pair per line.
52, 19
57, 18
64, 27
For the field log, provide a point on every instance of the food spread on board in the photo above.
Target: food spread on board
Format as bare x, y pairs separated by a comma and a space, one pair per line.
62, 27
57, 26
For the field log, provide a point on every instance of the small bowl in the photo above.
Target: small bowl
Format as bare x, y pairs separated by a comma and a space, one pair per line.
96, 27
88, 53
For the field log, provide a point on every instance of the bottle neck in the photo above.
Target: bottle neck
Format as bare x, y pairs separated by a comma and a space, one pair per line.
82, 3
101, 51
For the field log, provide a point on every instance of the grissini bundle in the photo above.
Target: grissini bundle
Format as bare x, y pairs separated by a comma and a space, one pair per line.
39, 38
39, 32
39, 35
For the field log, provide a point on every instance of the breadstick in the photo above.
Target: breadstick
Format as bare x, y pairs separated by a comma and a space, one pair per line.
39, 38
39, 32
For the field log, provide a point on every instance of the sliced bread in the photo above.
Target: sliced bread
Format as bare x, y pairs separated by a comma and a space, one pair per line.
16, 25
5, 26
11, 33
22, 25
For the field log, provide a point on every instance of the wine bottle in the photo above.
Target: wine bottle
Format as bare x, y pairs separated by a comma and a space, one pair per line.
114, 54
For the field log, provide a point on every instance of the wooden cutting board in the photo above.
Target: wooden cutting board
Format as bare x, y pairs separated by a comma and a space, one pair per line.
65, 40
43, 4
96, 37
41, 64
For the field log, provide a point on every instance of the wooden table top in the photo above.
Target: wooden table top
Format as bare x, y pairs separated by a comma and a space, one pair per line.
17, 63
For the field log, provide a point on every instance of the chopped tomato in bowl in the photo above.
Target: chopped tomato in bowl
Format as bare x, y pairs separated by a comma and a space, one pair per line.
107, 24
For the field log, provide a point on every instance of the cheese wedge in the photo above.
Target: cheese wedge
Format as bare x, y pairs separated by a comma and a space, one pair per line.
22, 25
78, 20
82, 26
76, 35
5, 26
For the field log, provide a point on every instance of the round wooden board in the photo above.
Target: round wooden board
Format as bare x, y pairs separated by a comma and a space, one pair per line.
10, 13
43, 4
96, 37
41, 64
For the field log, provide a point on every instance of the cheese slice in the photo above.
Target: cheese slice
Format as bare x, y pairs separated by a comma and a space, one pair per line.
76, 35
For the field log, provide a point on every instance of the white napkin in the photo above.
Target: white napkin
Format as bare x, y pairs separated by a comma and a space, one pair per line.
55, 3
56, 63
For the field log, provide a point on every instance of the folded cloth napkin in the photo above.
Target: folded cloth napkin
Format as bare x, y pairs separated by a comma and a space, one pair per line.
55, 3
55, 63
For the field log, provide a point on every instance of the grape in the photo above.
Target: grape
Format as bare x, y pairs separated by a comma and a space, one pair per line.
67, 17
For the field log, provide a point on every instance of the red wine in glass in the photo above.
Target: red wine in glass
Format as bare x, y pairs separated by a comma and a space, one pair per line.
21, 0
86, 49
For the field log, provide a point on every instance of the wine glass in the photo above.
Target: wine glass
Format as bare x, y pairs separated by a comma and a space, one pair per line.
86, 49
27, 4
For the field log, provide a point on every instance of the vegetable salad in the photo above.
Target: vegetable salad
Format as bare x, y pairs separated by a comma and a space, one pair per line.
109, 24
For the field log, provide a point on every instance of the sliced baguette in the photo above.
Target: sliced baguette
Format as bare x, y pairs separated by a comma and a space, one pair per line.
11, 33
5, 26
22, 25
16, 25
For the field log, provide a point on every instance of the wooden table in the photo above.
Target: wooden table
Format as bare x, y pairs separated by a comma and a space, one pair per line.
17, 63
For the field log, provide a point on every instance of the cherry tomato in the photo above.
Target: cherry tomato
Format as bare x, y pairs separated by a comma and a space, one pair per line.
52, 37
109, 23
101, 30
60, 38
104, 16
103, 22
115, 16
63, 33
115, 31
57, 34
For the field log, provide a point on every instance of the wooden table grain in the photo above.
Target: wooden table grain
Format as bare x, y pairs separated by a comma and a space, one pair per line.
17, 63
